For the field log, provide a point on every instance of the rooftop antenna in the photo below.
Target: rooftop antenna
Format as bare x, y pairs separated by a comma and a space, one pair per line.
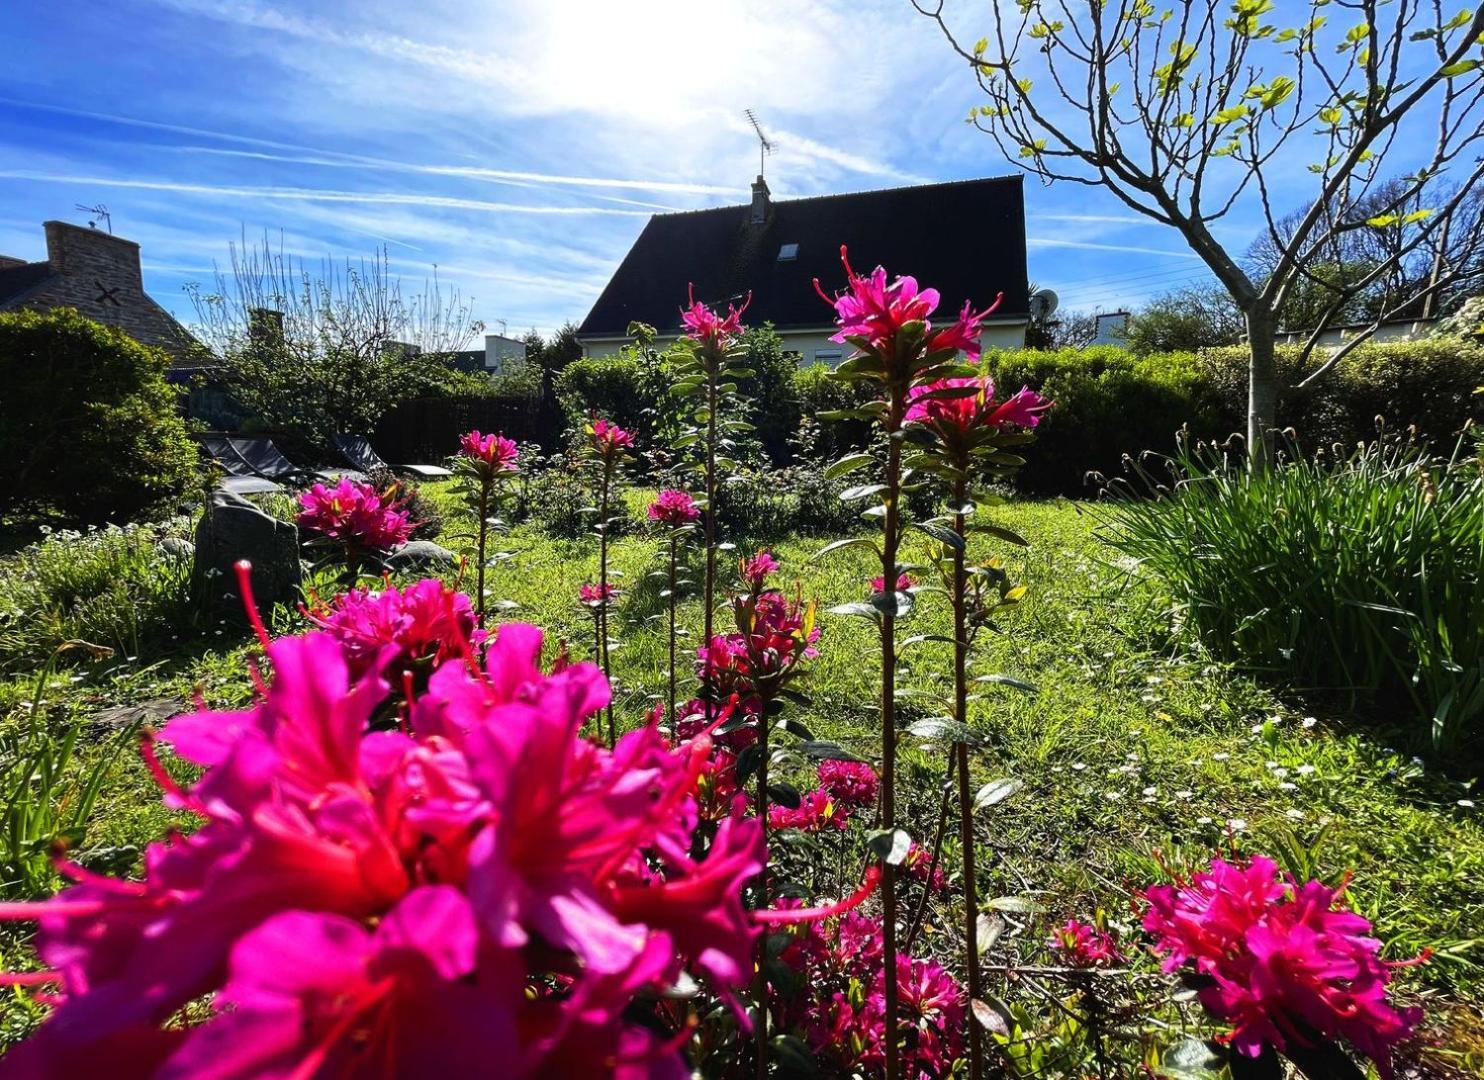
100, 213
764, 145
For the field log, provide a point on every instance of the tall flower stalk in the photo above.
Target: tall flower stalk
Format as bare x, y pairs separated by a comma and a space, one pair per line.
607, 444
485, 462
897, 349
960, 435
705, 363
675, 512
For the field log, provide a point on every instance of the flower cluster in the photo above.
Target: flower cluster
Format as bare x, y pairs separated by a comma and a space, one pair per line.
817, 811
774, 635
755, 570
404, 902
1082, 945
955, 406
492, 454
1283, 962
920, 866
356, 515
839, 1004
731, 730
607, 439
853, 784
674, 508
904, 582
710, 329
427, 623
595, 596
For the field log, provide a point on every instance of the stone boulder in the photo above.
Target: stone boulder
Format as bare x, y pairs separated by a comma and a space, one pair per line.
231, 528
421, 555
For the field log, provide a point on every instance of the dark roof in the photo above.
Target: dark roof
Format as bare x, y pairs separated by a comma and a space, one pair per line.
966, 239
16, 281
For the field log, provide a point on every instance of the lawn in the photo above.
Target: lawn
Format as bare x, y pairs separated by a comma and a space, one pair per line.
1128, 755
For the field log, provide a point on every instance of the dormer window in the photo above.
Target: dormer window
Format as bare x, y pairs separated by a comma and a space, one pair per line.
788, 252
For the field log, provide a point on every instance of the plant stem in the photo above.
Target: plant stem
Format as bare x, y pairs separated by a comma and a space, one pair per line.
484, 507
889, 546
922, 902
603, 592
674, 543
965, 795
710, 586
761, 988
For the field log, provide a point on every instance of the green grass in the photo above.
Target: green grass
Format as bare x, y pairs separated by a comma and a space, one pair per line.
1126, 750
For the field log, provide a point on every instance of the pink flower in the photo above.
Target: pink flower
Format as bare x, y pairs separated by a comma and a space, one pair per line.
965, 332
608, 439
495, 453
876, 311
778, 635
756, 569
708, 328
853, 783
597, 595
1084, 946
816, 812
1284, 961
378, 904
904, 582
426, 622
1023, 410
674, 508
919, 862
356, 515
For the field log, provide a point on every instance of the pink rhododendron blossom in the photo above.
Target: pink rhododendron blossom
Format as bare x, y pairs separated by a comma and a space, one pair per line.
1285, 962
963, 336
608, 439
674, 508
904, 582
709, 328
427, 622
379, 903
920, 867
872, 309
596, 595
817, 812
854, 784
356, 515
779, 635
494, 452
1024, 409
1082, 945
755, 570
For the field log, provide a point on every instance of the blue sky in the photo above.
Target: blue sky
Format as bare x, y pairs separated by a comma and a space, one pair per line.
516, 147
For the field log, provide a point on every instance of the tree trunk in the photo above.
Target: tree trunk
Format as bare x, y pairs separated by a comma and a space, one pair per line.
1262, 385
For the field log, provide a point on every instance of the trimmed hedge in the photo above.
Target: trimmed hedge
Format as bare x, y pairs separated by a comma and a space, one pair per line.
89, 428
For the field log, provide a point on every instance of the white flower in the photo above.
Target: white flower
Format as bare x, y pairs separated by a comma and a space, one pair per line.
1306, 770
1151, 791
1236, 824
1220, 757
1078, 767
1309, 721
1203, 821
1184, 794
1113, 796
1287, 785
1294, 815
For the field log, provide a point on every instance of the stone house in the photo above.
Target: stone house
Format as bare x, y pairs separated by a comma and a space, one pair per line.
99, 275
964, 238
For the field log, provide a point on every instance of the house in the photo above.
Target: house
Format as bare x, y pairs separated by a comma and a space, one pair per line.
99, 275
501, 355
1332, 337
966, 239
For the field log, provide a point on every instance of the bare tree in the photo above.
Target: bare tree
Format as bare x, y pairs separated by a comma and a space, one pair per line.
330, 349
1192, 110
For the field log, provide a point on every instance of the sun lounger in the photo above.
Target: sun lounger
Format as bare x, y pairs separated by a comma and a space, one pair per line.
240, 478
357, 450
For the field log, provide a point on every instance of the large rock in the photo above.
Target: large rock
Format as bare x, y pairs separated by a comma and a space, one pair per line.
231, 529
421, 555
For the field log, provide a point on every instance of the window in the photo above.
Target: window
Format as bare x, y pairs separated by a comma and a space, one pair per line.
788, 252
827, 357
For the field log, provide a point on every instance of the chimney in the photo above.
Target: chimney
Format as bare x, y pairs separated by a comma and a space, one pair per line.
76, 251
265, 327
759, 215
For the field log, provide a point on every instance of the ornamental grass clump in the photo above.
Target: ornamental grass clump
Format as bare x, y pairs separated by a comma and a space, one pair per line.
1355, 572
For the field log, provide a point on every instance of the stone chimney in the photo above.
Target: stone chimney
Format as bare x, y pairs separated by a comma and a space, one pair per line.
759, 214
76, 251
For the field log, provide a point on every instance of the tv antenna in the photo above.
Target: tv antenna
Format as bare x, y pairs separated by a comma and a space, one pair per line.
764, 144
100, 213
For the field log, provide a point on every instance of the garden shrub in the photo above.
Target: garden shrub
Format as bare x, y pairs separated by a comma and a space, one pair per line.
89, 429
1362, 576
114, 587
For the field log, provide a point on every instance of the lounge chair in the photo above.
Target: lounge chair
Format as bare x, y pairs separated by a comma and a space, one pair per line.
267, 460
241, 478
357, 450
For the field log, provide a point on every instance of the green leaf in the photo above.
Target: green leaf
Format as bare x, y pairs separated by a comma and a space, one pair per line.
1008, 535
857, 609
785, 795
941, 533
993, 1015
892, 603
1006, 680
890, 846
846, 465
943, 729
825, 750
995, 792
840, 545
1463, 67
861, 491
1015, 905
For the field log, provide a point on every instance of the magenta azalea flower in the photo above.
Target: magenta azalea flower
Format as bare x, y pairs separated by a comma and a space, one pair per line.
608, 439
1284, 961
495, 453
919, 867
426, 622
853, 783
816, 812
379, 904
876, 311
1084, 946
597, 595
756, 569
674, 508
782, 633
708, 328
904, 582
356, 515
963, 335
1024, 409
959, 414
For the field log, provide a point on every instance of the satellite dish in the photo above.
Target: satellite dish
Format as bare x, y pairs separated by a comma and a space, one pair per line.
1043, 304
